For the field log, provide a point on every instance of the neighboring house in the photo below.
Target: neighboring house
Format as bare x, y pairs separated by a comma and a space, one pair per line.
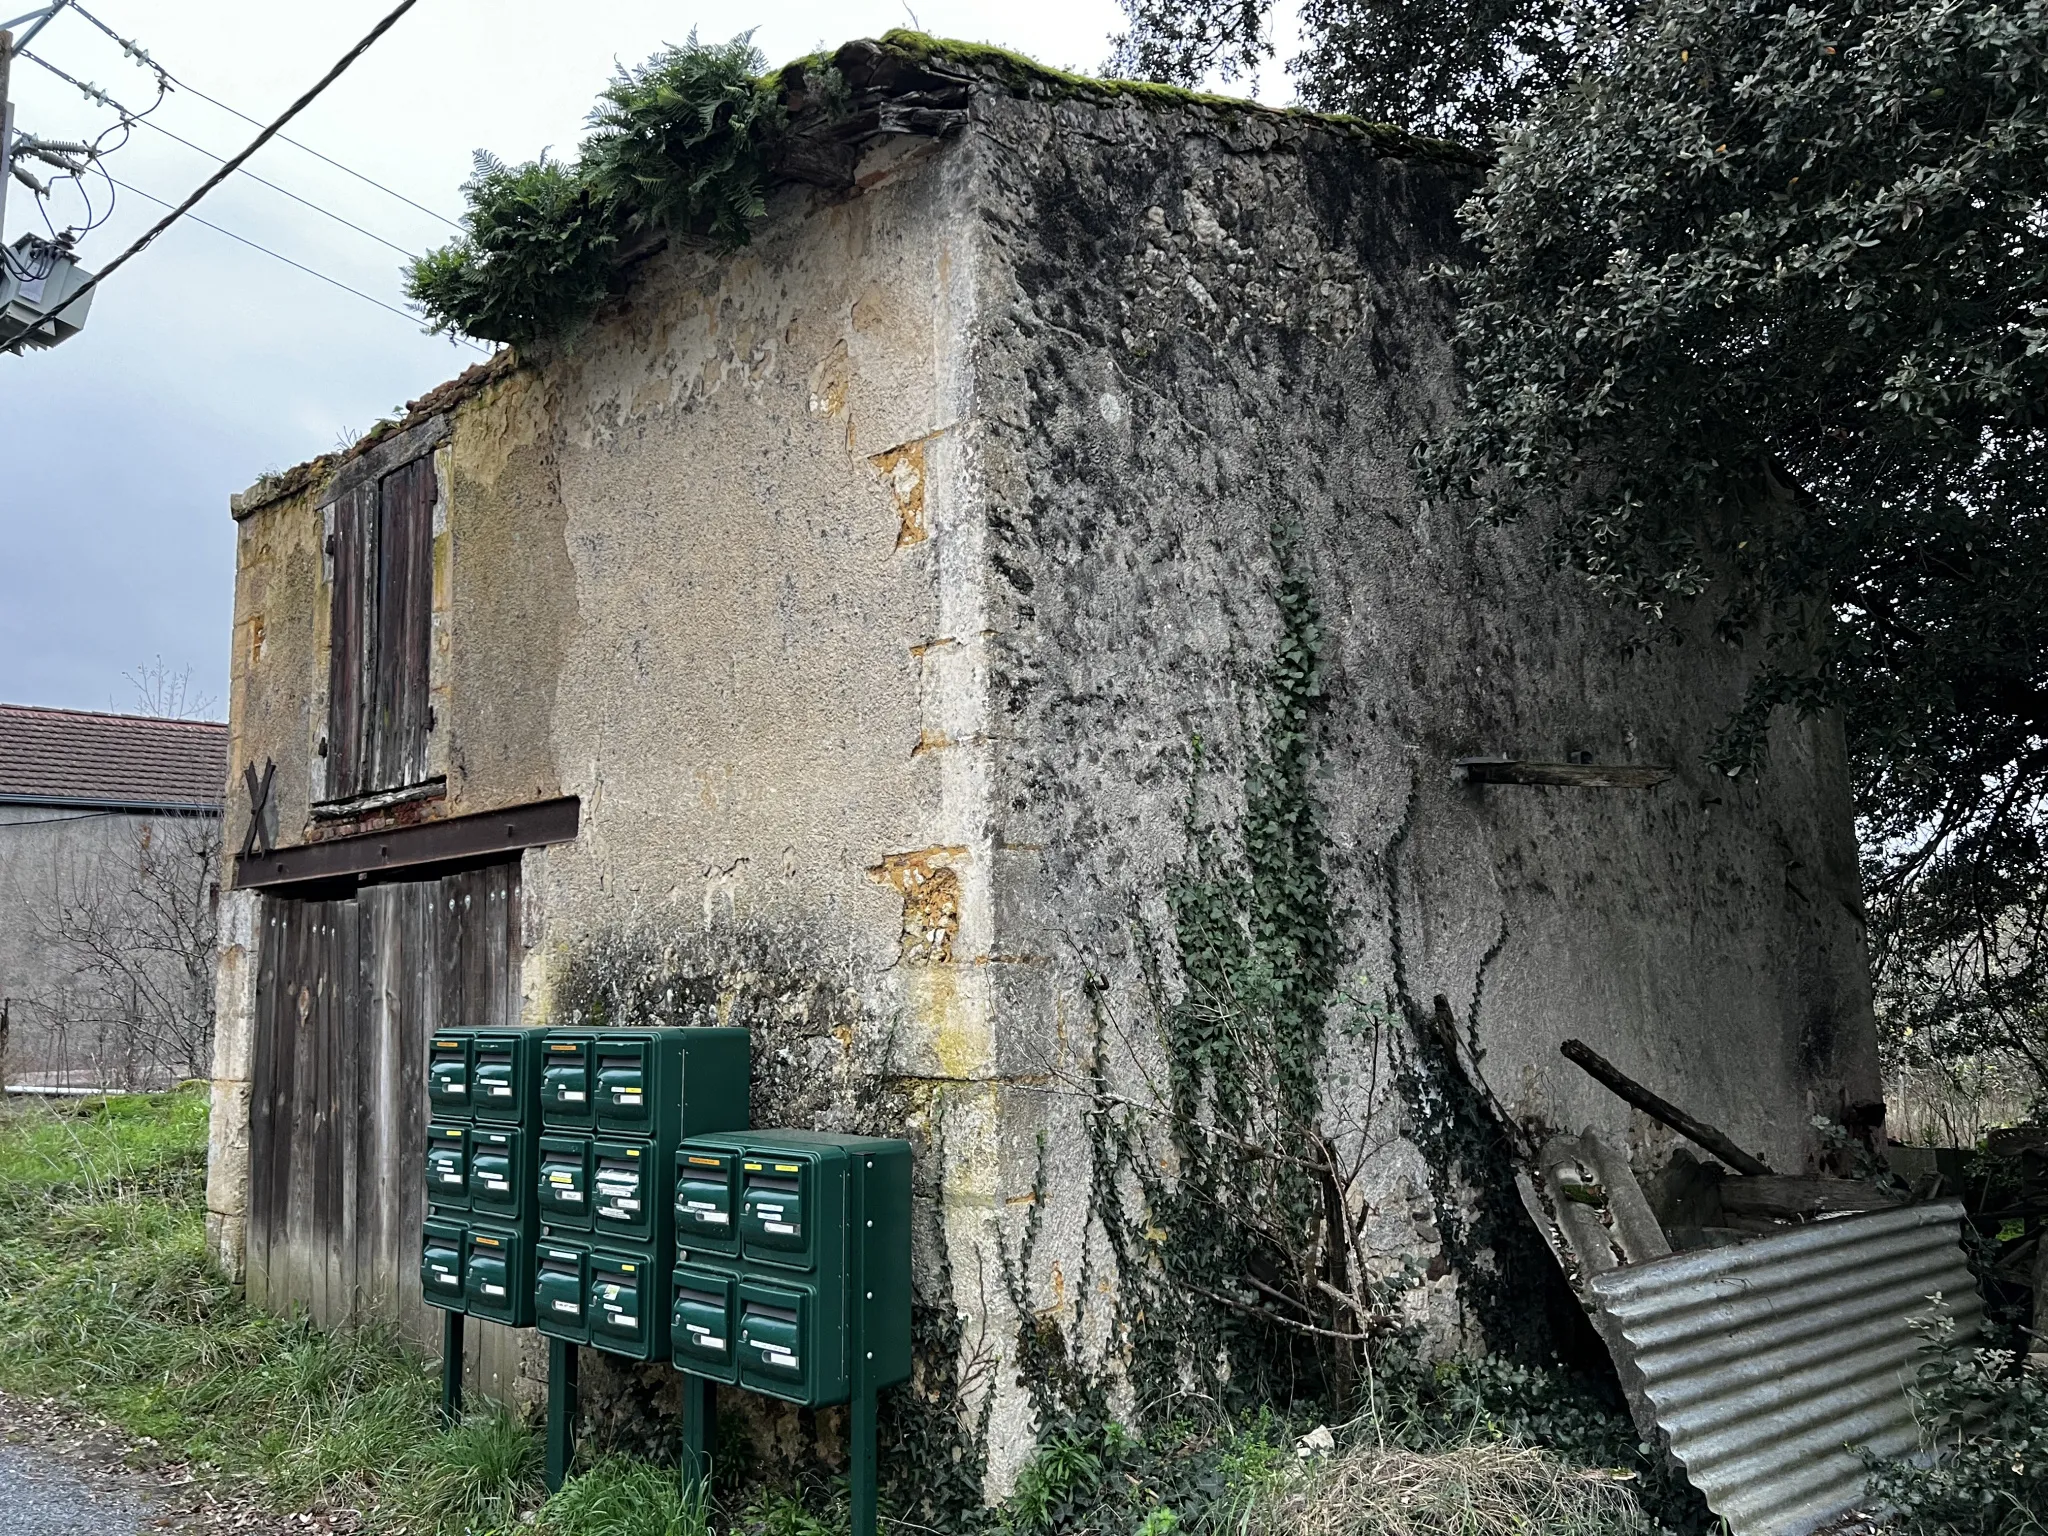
109, 884
866, 636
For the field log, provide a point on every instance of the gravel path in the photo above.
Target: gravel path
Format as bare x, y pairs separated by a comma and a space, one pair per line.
64, 1473
42, 1495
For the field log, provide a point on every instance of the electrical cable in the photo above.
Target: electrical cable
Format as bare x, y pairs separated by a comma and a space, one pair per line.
229, 167
185, 85
95, 93
140, 53
278, 255
93, 152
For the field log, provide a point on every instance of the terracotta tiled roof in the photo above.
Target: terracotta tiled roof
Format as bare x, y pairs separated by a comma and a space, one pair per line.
70, 756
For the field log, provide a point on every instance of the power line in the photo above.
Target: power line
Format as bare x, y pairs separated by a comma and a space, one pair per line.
185, 85
135, 50
280, 256
95, 93
229, 167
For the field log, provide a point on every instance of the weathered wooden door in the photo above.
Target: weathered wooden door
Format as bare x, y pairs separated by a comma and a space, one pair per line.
347, 992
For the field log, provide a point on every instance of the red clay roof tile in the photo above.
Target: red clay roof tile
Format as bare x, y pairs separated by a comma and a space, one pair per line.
69, 755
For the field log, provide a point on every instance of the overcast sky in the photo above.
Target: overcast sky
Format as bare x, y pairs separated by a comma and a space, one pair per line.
205, 363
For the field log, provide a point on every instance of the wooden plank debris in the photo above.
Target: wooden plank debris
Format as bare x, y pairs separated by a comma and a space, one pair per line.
1662, 1110
1587, 775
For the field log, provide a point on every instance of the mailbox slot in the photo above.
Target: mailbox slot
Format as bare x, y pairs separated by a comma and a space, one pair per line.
561, 1291
565, 1082
563, 1185
774, 1342
624, 1092
775, 1209
704, 1200
448, 1077
447, 1166
702, 1334
442, 1245
623, 1310
498, 1277
497, 1173
621, 1185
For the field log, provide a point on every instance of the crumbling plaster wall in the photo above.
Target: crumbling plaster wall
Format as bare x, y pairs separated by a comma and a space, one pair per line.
768, 692
1204, 329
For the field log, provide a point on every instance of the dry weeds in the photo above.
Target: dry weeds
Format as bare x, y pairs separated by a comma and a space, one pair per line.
1483, 1489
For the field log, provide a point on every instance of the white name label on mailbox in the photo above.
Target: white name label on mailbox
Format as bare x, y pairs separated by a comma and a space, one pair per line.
565, 1306
572, 1095
779, 1226
494, 1290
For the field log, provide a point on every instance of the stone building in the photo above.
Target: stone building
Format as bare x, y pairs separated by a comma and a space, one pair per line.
901, 634
109, 875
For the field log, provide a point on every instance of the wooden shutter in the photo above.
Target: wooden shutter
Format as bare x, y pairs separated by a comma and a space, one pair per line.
405, 580
383, 598
353, 625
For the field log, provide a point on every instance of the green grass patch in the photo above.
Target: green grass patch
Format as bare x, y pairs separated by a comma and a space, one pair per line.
110, 1302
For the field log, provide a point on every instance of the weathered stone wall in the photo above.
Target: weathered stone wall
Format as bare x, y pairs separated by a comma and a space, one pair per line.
1206, 333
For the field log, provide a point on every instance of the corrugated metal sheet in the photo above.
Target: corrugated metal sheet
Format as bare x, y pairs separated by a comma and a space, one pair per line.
1765, 1361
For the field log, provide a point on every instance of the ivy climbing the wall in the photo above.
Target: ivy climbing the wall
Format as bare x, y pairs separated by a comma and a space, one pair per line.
1222, 1189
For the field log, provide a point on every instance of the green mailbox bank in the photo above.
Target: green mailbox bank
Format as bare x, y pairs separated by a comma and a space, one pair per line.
613, 1105
553, 1204
809, 1299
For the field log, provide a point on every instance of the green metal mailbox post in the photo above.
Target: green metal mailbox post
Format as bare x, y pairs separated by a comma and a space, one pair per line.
612, 1104
792, 1279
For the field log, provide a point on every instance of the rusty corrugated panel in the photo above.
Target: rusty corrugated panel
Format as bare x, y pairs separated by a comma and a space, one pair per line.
1767, 1360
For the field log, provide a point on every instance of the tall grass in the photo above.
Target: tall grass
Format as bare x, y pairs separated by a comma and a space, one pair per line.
109, 1301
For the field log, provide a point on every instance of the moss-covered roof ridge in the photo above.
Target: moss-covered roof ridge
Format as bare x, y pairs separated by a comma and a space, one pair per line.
898, 57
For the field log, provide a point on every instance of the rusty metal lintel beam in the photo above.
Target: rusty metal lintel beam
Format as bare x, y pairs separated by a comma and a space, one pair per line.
434, 842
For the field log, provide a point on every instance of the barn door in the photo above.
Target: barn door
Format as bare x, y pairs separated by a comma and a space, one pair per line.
348, 991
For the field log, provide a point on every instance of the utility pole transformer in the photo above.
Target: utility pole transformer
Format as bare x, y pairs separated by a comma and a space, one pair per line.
38, 277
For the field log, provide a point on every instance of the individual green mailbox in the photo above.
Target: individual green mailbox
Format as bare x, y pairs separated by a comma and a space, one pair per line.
707, 1184
501, 1186
703, 1324
628, 1204
565, 1082
448, 1075
505, 1076
626, 1315
444, 1244
497, 1280
564, 1182
818, 1308
447, 1166
561, 1290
